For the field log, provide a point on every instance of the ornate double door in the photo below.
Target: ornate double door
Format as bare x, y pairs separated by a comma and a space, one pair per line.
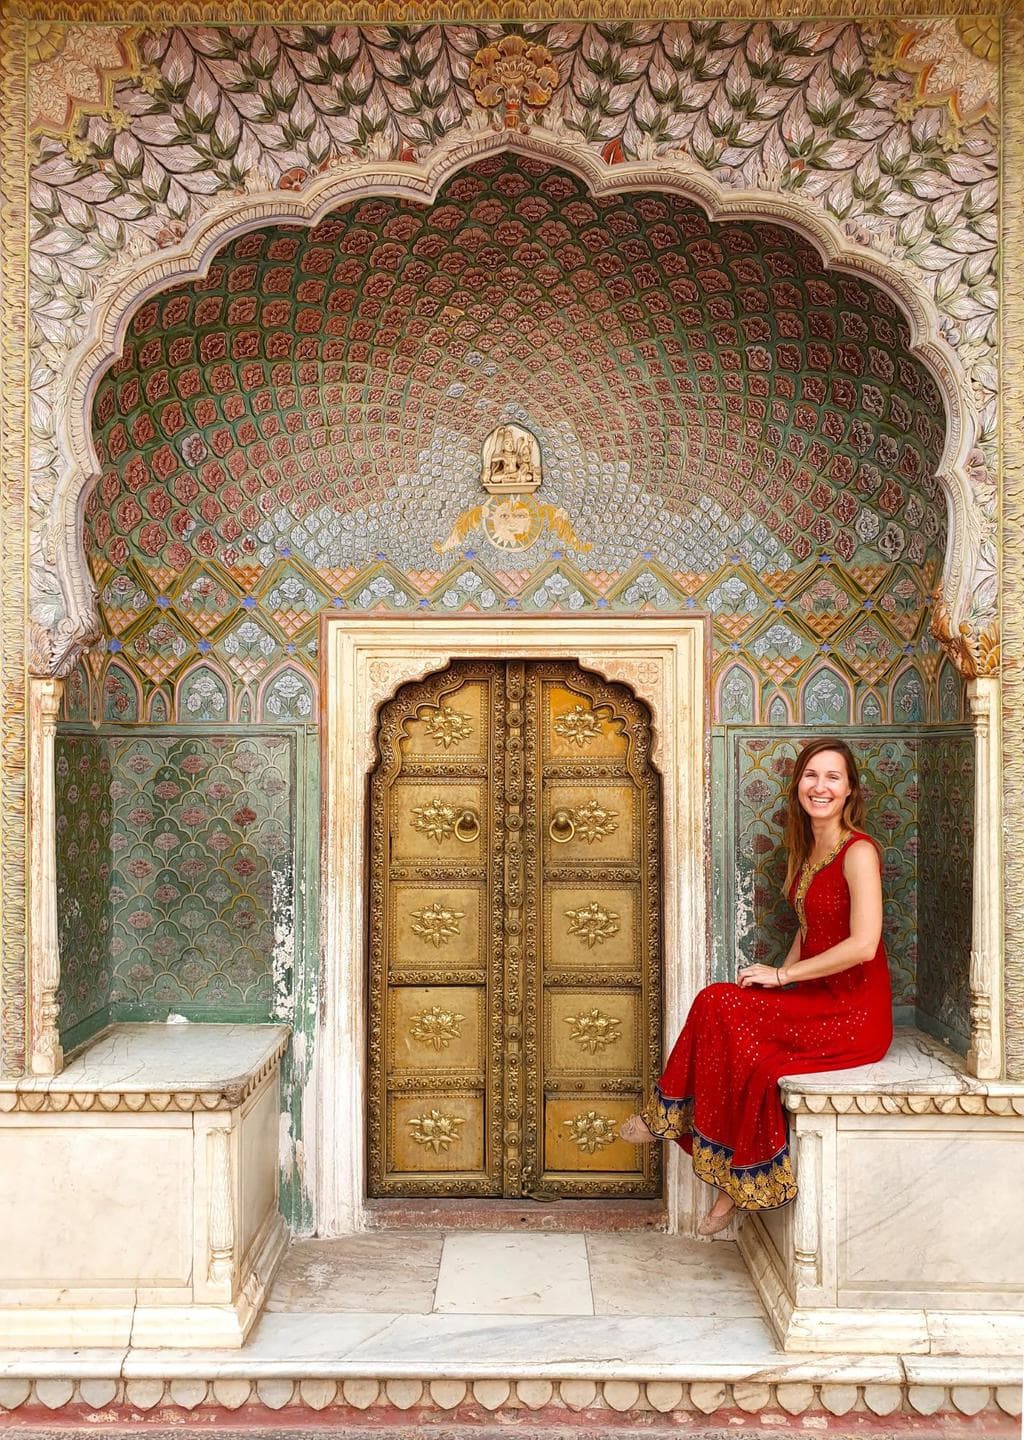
515, 945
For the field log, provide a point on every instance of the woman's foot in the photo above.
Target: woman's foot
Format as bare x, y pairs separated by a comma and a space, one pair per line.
721, 1214
637, 1131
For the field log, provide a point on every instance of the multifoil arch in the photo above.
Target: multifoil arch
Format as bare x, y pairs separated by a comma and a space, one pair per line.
124, 289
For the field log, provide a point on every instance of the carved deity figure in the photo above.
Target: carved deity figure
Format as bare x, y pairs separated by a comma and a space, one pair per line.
511, 461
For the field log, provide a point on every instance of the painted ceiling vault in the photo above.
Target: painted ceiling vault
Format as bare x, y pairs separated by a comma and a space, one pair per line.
722, 423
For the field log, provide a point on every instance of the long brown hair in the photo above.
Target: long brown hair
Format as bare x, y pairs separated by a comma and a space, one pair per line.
799, 837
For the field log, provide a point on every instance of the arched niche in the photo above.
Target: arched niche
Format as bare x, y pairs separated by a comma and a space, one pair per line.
120, 294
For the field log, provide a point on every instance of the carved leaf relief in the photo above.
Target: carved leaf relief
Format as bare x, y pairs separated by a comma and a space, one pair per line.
436, 819
447, 726
593, 1030
436, 1130
591, 1131
593, 924
579, 726
437, 1027
436, 923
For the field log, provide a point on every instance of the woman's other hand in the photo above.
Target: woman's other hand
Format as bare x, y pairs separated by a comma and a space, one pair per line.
766, 975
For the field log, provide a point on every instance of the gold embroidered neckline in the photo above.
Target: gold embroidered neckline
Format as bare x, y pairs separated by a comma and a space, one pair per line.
807, 875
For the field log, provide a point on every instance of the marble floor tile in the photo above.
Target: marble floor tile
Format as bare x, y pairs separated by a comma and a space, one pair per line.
662, 1275
99, 1364
310, 1344
508, 1274
566, 1345
322, 1345
394, 1271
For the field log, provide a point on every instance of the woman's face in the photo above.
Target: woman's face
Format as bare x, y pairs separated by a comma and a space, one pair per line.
824, 786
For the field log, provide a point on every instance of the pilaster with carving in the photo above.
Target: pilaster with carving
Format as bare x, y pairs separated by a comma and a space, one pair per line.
220, 1210
45, 1054
814, 1219
985, 1057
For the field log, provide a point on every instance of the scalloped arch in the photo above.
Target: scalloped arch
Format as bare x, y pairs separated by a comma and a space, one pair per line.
191, 703
738, 695
274, 700
120, 294
121, 696
822, 685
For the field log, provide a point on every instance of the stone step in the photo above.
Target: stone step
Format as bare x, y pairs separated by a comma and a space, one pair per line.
400, 1375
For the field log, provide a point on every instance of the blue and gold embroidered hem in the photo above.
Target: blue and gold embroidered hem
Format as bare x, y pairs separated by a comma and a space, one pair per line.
764, 1186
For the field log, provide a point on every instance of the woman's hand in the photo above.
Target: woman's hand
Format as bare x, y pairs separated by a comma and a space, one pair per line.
766, 975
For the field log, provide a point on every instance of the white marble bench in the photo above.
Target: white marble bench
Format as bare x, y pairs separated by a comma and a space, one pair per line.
138, 1189
906, 1233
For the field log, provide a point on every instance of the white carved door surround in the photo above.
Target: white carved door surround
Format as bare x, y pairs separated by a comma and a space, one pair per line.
365, 659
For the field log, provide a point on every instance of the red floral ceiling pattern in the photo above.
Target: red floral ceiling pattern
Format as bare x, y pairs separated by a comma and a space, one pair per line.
314, 368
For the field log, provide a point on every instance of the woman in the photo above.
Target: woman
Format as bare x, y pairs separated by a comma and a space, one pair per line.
826, 1007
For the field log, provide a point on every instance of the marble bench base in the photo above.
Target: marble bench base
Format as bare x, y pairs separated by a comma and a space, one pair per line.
139, 1190
903, 1236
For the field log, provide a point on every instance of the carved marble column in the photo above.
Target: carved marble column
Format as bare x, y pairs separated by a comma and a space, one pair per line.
985, 1057
806, 1217
44, 1050
220, 1210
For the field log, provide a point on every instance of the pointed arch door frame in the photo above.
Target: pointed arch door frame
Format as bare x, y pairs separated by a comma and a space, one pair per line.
364, 660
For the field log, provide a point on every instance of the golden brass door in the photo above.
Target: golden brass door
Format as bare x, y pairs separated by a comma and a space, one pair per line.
515, 950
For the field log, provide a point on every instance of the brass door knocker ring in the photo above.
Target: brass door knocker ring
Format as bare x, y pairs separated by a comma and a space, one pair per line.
562, 827
467, 826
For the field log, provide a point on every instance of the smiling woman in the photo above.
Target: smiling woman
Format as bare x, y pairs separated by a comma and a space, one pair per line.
828, 1006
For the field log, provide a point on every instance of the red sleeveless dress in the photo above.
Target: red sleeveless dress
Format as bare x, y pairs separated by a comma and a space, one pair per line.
719, 1094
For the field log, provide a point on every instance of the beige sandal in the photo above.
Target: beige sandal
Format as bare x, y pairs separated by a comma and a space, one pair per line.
637, 1131
712, 1224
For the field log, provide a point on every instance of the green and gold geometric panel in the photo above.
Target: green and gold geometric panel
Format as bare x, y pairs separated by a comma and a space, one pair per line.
758, 914
84, 875
175, 873
945, 883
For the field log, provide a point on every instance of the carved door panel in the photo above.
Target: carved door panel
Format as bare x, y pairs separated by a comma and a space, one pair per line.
435, 955
594, 984
514, 935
